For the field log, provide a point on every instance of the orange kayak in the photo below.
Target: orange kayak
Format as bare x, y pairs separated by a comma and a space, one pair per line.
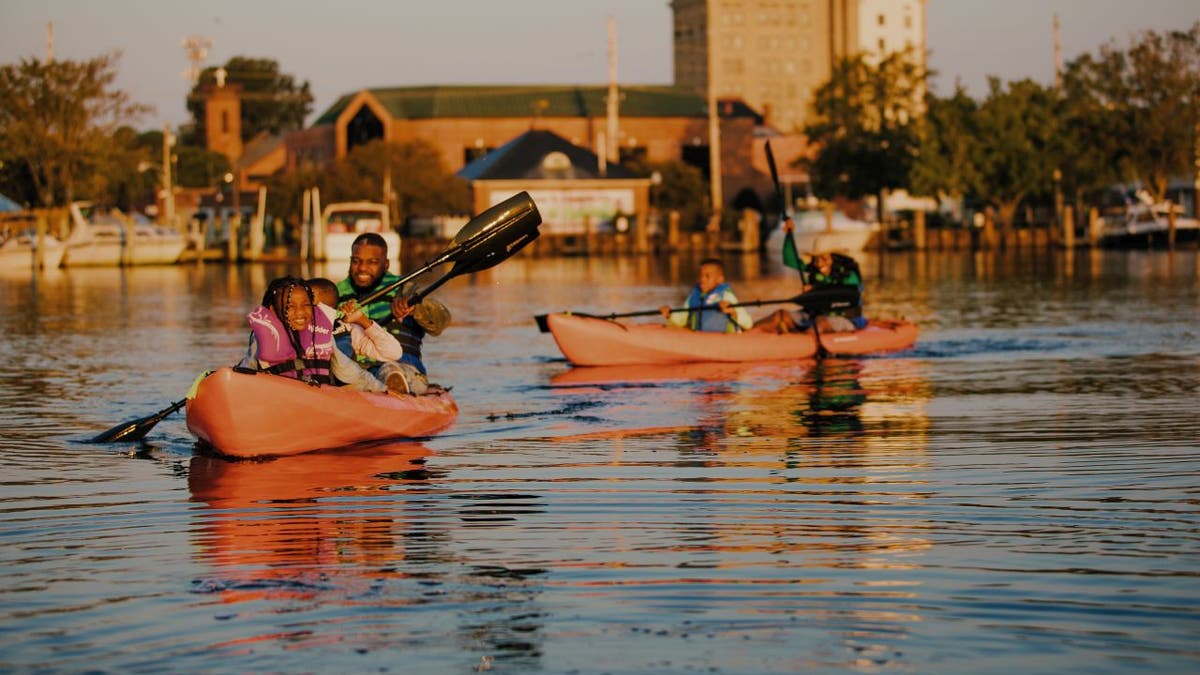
588, 341
253, 415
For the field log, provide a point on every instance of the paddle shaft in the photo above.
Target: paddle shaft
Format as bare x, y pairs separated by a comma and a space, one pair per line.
788, 233
136, 430
827, 298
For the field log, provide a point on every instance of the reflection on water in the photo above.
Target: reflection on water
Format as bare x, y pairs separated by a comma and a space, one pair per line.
1017, 491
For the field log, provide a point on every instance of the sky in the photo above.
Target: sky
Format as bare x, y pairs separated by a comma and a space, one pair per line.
341, 46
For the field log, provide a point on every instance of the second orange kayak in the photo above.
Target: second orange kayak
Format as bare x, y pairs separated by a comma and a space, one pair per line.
588, 341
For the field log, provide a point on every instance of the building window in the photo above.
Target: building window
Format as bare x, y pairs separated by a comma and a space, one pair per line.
224, 121
882, 19
472, 153
634, 154
556, 165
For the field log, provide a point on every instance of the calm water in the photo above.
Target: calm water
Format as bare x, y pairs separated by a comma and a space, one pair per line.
1018, 492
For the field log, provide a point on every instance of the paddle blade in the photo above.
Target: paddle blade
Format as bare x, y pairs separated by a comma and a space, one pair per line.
543, 325
825, 299
486, 240
503, 230
136, 430
791, 257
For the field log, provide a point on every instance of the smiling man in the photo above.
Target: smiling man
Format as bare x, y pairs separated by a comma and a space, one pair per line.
368, 272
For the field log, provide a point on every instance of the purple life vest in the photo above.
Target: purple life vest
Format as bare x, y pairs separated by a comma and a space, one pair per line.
276, 354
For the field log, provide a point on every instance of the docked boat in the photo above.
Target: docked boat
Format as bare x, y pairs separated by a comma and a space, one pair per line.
111, 239
1142, 223
245, 414
813, 233
19, 251
344, 221
590, 341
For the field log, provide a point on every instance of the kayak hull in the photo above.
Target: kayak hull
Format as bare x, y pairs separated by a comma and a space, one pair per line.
589, 341
256, 415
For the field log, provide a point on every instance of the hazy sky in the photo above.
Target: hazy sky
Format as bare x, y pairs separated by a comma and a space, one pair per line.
341, 46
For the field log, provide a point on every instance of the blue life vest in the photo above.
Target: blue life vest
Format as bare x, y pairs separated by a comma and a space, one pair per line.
710, 320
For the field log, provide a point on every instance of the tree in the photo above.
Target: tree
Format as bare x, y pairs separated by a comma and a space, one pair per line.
867, 127
58, 120
271, 100
682, 189
1152, 95
944, 165
421, 184
1014, 154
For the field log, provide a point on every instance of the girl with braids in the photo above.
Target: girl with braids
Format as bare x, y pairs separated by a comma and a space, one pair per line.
287, 338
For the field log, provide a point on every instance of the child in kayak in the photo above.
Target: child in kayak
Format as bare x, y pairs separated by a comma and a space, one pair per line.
288, 338
710, 290
822, 270
358, 337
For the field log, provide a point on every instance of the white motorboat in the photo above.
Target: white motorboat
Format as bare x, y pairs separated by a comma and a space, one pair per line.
814, 234
344, 221
19, 251
112, 239
1144, 222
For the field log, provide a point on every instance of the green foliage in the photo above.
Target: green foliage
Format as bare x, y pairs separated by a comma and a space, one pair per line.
1138, 109
271, 101
421, 185
198, 167
1015, 131
945, 163
683, 189
867, 126
59, 124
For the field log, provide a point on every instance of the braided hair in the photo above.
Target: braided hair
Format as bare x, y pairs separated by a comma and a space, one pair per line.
276, 299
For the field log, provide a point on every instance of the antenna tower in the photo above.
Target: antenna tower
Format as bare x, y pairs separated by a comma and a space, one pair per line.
196, 47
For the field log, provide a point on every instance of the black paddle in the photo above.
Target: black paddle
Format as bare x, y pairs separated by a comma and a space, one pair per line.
485, 241
136, 430
792, 242
815, 301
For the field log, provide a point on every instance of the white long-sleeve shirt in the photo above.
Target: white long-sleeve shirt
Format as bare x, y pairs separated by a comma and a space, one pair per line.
373, 342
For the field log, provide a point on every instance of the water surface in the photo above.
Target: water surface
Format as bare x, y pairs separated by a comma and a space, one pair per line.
1017, 491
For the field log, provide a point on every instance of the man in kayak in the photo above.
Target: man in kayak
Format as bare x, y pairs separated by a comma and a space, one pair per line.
368, 272
710, 290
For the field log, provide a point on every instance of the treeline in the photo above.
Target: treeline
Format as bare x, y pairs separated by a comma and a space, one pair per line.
1122, 115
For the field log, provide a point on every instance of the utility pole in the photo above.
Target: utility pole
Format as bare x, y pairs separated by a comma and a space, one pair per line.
168, 186
714, 127
611, 108
1057, 57
49, 42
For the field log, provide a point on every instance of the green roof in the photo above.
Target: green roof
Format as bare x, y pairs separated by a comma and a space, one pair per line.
430, 102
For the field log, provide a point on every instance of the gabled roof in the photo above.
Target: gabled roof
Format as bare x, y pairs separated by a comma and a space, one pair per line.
522, 158
7, 205
257, 148
429, 102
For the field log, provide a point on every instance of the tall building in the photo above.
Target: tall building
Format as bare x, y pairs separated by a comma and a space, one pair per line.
773, 54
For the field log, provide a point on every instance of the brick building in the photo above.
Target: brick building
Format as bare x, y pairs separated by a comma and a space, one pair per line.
774, 54
655, 123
